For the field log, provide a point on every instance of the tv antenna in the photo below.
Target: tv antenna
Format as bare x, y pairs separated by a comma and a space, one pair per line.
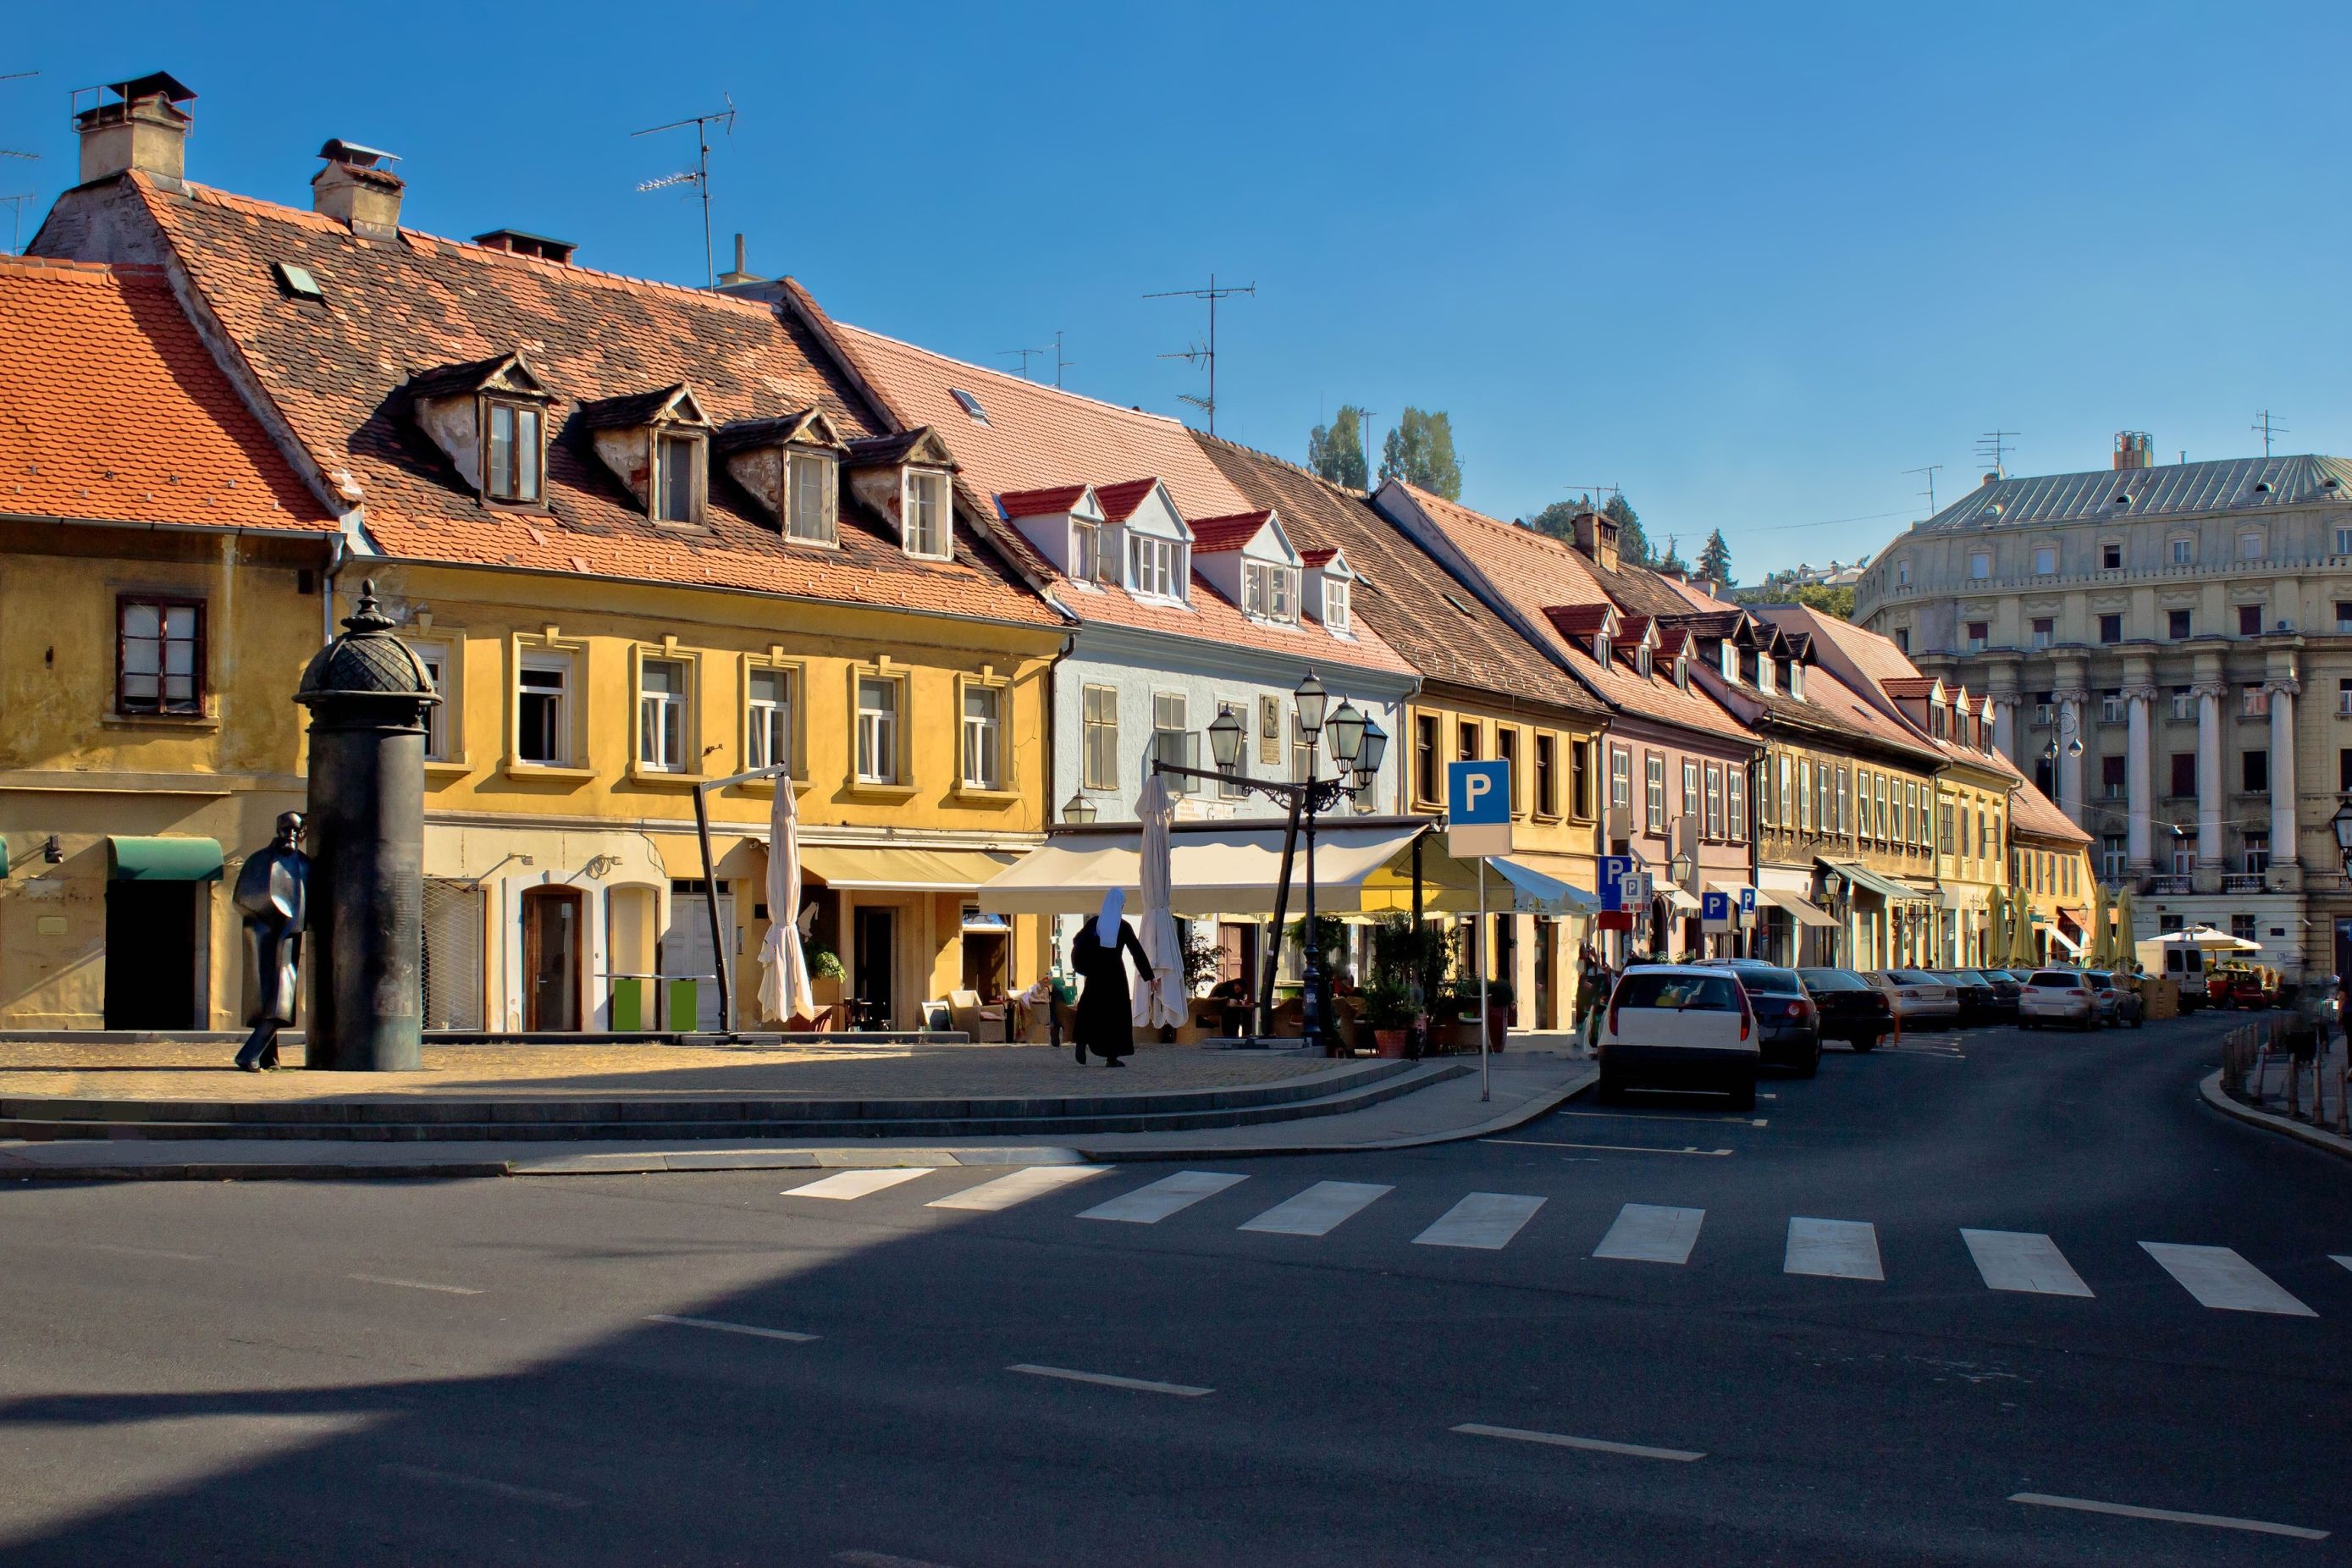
700, 175
1994, 446
1197, 354
1590, 491
16, 229
15, 152
2267, 430
1024, 353
1930, 491
1054, 348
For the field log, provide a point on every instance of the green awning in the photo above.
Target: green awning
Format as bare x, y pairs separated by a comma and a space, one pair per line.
163, 859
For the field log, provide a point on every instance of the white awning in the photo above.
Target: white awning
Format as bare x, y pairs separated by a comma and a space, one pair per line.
2060, 938
1537, 894
1235, 867
1678, 897
1802, 909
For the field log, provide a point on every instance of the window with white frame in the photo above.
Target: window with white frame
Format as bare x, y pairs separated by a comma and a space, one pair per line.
983, 737
1085, 549
1621, 778
1714, 801
1098, 761
661, 714
1654, 790
1152, 566
768, 719
440, 717
2258, 853
1736, 784
925, 512
677, 468
1172, 740
1691, 804
512, 469
1335, 604
1902, 574
2184, 551
1269, 590
807, 509
544, 710
2344, 541
878, 700
2250, 544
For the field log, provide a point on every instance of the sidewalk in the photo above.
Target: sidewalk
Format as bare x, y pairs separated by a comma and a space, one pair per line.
2276, 1095
1442, 1106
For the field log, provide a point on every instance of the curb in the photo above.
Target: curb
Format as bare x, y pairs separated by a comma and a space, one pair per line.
2210, 1088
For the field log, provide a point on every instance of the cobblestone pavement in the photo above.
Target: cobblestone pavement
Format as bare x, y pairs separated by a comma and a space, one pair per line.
62, 1069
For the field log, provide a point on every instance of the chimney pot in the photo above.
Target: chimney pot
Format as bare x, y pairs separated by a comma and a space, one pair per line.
1596, 539
142, 125
739, 275
516, 242
357, 190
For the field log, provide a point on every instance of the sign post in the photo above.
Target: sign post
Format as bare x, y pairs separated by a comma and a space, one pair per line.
1479, 825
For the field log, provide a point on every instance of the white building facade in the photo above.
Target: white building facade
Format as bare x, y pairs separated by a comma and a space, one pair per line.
2169, 650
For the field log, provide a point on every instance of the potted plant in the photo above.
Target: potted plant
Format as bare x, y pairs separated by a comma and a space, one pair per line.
1455, 1011
1389, 1013
1413, 957
1499, 998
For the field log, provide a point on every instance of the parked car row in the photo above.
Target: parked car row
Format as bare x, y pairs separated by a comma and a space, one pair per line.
1717, 1022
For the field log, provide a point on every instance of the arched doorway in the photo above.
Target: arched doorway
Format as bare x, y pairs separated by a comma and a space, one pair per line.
552, 933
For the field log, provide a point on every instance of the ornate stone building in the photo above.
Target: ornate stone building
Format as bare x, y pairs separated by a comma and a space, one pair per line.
2146, 633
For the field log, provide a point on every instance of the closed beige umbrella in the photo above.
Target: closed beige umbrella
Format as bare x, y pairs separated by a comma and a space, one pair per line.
784, 990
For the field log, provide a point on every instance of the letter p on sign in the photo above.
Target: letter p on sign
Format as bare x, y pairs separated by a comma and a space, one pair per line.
1479, 818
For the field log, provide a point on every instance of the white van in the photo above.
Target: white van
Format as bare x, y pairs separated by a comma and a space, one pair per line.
1680, 1025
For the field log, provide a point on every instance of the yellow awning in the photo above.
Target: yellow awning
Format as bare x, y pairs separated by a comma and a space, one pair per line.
887, 868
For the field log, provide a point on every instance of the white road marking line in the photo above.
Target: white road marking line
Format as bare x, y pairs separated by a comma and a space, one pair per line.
1593, 1445
1607, 1148
2169, 1515
1319, 1210
1150, 1205
1036, 1181
413, 1284
1142, 1384
1484, 1220
1650, 1232
848, 1185
1838, 1249
721, 1325
1644, 1116
477, 1484
2340, 1257
2023, 1260
2221, 1280
882, 1560
145, 1251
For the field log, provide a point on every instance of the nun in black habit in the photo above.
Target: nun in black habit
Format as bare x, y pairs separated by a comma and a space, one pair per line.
1106, 1016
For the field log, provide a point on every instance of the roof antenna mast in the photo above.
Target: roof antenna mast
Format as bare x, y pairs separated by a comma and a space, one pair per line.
1994, 449
1197, 354
16, 203
1930, 491
700, 175
2267, 429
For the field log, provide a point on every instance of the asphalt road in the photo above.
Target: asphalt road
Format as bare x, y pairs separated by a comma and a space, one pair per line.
474, 1371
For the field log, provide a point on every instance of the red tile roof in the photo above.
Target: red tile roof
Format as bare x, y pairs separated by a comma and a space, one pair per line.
112, 410
1318, 557
1910, 685
334, 368
1048, 502
1584, 621
1215, 535
1041, 436
1534, 574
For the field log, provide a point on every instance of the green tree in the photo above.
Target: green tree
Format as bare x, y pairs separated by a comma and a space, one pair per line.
1336, 450
1778, 589
1633, 544
1671, 561
1715, 560
1559, 520
1420, 451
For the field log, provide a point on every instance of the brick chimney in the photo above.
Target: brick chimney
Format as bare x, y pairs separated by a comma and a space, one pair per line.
2135, 449
356, 189
139, 124
1596, 538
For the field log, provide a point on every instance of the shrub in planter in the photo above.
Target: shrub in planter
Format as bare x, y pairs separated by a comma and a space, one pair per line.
1389, 1013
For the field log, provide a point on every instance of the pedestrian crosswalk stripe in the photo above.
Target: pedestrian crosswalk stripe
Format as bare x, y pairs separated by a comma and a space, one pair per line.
1017, 1188
848, 1185
1650, 1233
2221, 1280
2023, 1260
1487, 1220
1840, 1248
2340, 1257
1150, 1205
1319, 1209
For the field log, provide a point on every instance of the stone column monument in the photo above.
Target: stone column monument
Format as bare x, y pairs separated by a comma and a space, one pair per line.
367, 692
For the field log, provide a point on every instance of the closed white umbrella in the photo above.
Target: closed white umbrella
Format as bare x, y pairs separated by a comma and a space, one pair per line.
1162, 1003
785, 992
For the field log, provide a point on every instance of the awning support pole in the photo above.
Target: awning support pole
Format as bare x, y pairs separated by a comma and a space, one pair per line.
1281, 911
710, 887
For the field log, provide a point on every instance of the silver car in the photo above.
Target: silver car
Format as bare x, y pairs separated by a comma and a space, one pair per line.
2064, 996
1918, 997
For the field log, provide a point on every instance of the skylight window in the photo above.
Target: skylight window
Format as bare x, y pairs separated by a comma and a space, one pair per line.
969, 405
297, 281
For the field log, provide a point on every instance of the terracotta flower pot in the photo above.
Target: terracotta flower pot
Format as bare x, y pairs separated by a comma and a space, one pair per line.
1392, 1042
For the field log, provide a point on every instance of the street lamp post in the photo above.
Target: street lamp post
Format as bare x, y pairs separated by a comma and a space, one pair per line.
2342, 823
1358, 745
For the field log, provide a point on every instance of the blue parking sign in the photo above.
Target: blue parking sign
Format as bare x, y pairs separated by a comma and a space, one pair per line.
1746, 903
1714, 911
1614, 869
1479, 812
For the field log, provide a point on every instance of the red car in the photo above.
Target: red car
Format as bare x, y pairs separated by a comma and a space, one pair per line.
2238, 988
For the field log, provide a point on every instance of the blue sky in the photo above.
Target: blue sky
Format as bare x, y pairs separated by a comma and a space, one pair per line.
1748, 263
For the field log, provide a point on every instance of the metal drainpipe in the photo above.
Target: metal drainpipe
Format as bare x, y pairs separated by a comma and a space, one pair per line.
335, 547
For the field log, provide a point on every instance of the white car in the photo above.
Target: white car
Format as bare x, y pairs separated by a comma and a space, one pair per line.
1918, 997
1680, 1025
2059, 997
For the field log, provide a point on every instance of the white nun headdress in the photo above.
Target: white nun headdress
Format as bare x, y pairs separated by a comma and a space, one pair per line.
1107, 923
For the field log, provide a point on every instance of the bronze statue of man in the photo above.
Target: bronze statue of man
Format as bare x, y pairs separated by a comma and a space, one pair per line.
273, 894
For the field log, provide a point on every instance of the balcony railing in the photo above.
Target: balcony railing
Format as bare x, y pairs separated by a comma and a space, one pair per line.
2242, 882
2170, 884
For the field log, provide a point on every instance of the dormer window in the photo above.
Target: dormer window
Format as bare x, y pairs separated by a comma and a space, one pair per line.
1641, 661
1600, 647
1764, 673
1085, 549
1730, 661
808, 478
1269, 590
1682, 672
1796, 681
677, 480
1152, 566
926, 514
1335, 605
792, 467
515, 450
658, 444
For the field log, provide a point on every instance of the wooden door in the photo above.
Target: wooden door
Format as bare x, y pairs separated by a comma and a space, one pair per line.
550, 959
